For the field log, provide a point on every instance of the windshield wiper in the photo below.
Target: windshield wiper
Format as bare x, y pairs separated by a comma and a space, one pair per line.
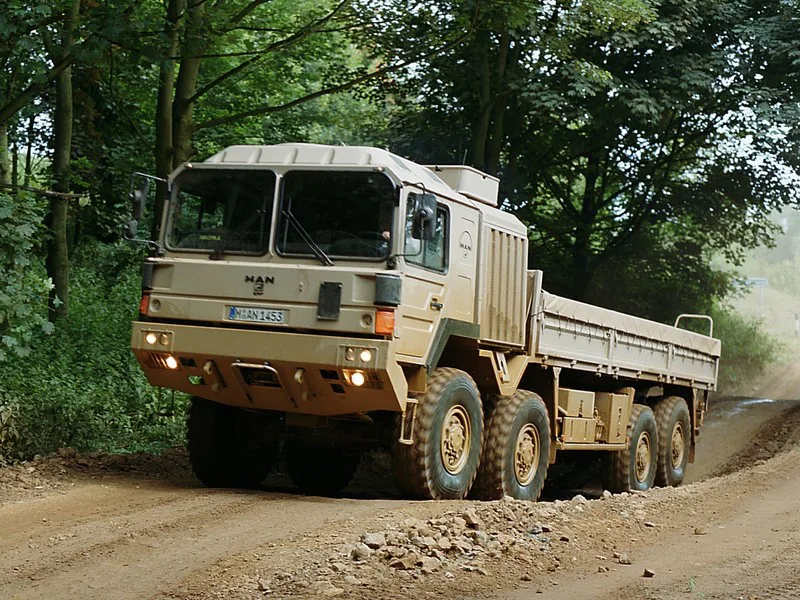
318, 252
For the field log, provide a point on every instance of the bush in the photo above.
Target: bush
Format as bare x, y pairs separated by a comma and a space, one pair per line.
23, 287
82, 387
747, 349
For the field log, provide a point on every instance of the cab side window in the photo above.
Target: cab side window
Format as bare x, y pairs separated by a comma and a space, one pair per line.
430, 254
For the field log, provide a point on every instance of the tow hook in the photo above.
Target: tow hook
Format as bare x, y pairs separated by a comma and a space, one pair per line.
210, 369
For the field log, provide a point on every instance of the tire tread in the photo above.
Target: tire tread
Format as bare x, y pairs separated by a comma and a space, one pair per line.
410, 462
664, 410
489, 484
617, 466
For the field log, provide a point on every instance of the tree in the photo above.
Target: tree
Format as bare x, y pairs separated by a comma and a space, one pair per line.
609, 132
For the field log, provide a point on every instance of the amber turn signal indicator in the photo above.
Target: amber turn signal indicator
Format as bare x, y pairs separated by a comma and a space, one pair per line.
384, 322
144, 304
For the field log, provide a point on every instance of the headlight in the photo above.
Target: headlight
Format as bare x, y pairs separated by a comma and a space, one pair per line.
151, 338
366, 355
358, 379
172, 362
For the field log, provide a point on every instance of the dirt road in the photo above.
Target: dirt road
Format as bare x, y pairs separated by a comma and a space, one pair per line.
77, 527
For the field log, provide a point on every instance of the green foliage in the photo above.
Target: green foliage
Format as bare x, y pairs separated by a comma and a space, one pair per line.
747, 350
606, 131
82, 387
23, 285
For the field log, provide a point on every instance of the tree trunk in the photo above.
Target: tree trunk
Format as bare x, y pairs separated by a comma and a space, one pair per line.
5, 158
15, 163
481, 132
57, 261
506, 69
26, 180
166, 89
183, 106
582, 250
183, 110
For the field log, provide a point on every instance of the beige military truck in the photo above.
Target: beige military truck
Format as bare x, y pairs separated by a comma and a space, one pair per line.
322, 301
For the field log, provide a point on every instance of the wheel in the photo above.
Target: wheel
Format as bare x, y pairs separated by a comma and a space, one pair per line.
516, 450
442, 460
229, 446
319, 470
674, 429
634, 468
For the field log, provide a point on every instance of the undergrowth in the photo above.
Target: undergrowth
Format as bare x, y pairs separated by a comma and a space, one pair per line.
747, 349
81, 386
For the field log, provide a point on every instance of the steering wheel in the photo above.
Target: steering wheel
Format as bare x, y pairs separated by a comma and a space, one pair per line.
372, 236
333, 235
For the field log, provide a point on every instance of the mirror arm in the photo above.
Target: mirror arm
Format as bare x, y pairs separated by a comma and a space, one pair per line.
151, 177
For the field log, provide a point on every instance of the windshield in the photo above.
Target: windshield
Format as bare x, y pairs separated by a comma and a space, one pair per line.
222, 211
345, 214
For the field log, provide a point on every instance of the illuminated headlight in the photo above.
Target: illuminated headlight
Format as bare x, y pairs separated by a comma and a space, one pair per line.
151, 338
366, 355
357, 378
171, 362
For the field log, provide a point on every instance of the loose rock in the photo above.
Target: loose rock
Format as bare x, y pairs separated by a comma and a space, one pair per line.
374, 540
361, 551
648, 573
325, 588
403, 564
472, 519
429, 565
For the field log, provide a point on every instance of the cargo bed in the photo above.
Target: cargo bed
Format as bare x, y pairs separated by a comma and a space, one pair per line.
570, 334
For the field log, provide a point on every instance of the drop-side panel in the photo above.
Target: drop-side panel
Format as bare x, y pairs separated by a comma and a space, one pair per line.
503, 306
589, 338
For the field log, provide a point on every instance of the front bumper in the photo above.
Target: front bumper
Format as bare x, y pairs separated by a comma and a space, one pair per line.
282, 371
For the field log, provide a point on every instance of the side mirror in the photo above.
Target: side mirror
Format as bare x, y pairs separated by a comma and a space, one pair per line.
423, 227
138, 196
130, 229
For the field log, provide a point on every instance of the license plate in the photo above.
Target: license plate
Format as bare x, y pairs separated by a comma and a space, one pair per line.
256, 315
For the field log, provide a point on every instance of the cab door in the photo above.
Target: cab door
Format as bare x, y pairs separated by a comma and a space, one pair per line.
426, 289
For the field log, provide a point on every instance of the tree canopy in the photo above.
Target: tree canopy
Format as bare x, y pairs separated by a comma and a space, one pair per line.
638, 139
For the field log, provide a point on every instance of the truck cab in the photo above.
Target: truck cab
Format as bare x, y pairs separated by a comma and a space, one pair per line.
301, 278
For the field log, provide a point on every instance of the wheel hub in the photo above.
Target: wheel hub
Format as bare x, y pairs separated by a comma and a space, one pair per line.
456, 439
643, 456
678, 445
526, 454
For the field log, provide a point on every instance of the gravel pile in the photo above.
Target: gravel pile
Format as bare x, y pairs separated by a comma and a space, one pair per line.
538, 536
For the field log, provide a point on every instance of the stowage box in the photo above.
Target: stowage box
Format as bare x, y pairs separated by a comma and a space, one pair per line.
576, 403
613, 412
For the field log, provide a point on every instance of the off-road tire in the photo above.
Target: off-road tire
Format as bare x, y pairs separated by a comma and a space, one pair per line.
226, 446
619, 471
419, 468
672, 413
507, 417
319, 470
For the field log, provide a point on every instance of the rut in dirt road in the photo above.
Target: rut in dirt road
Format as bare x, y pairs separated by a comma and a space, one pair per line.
123, 541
